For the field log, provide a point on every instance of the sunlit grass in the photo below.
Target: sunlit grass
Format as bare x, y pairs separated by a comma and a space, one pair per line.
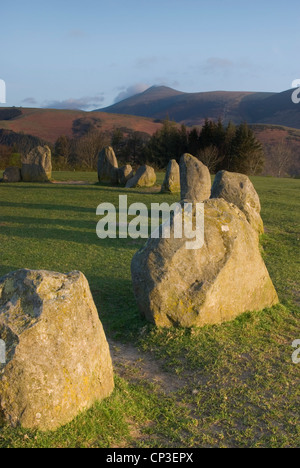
242, 388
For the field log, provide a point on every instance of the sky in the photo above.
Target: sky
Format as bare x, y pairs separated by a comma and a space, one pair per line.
89, 54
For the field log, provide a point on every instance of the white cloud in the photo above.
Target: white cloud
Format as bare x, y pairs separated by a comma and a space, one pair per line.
84, 103
131, 91
30, 101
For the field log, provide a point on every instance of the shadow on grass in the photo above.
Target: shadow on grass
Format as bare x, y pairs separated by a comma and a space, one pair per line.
30, 221
92, 187
117, 307
48, 207
89, 237
62, 186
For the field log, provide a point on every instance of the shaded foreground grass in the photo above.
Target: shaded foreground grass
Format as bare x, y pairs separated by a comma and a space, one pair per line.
239, 385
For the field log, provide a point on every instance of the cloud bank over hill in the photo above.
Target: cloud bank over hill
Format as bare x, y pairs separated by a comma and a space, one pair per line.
131, 91
84, 103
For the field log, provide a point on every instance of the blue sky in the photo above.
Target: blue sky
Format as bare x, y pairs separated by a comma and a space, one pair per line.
76, 54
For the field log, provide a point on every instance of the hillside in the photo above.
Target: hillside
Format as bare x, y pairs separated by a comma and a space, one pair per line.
49, 124
193, 108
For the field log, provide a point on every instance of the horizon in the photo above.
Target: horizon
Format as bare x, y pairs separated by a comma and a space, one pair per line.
67, 56
102, 109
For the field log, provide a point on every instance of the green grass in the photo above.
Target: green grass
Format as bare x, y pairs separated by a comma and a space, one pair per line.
239, 385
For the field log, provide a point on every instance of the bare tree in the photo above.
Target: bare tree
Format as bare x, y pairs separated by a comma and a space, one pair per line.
256, 163
86, 148
280, 157
210, 157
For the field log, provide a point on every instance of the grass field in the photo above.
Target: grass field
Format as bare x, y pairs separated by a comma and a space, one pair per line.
231, 385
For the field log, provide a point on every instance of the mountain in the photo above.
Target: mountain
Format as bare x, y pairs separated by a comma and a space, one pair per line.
158, 102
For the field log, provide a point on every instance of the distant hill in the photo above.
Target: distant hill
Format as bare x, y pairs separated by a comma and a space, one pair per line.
49, 124
46, 125
191, 109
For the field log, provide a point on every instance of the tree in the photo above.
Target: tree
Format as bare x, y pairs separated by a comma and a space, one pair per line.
247, 152
5, 156
133, 151
230, 133
183, 140
167, 143
207, 134
219, 134
210, 157
280, 157
193, 141
85, 149
117, 140
62, 151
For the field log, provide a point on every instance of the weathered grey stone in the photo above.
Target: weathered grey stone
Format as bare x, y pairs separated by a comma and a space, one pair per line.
195, 179
57, 357
239, 190
125, 173
37, 166
227, 276
107, 166
171, 183
144, 177
12, 174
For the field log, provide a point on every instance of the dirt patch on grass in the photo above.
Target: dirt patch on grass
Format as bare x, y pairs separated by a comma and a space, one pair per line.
136, 366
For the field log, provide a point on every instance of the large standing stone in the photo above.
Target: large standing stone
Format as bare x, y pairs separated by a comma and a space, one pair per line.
37, 166
227, 276
171, 181
238, 189
57, 357
144, 177
12, 174
124, 174
107, 166
195, 179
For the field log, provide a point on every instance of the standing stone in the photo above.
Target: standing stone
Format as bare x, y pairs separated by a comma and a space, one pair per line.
195, 179
108, 166
239, 190
144, 177
219, 281
57, 358
171, 182
124, 174
12, 174
36, 165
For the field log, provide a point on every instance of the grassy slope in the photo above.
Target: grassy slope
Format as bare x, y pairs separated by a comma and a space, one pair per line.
49, 124
241, 387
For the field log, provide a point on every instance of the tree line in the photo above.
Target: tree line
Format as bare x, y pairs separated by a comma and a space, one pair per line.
230, 147
218, 146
